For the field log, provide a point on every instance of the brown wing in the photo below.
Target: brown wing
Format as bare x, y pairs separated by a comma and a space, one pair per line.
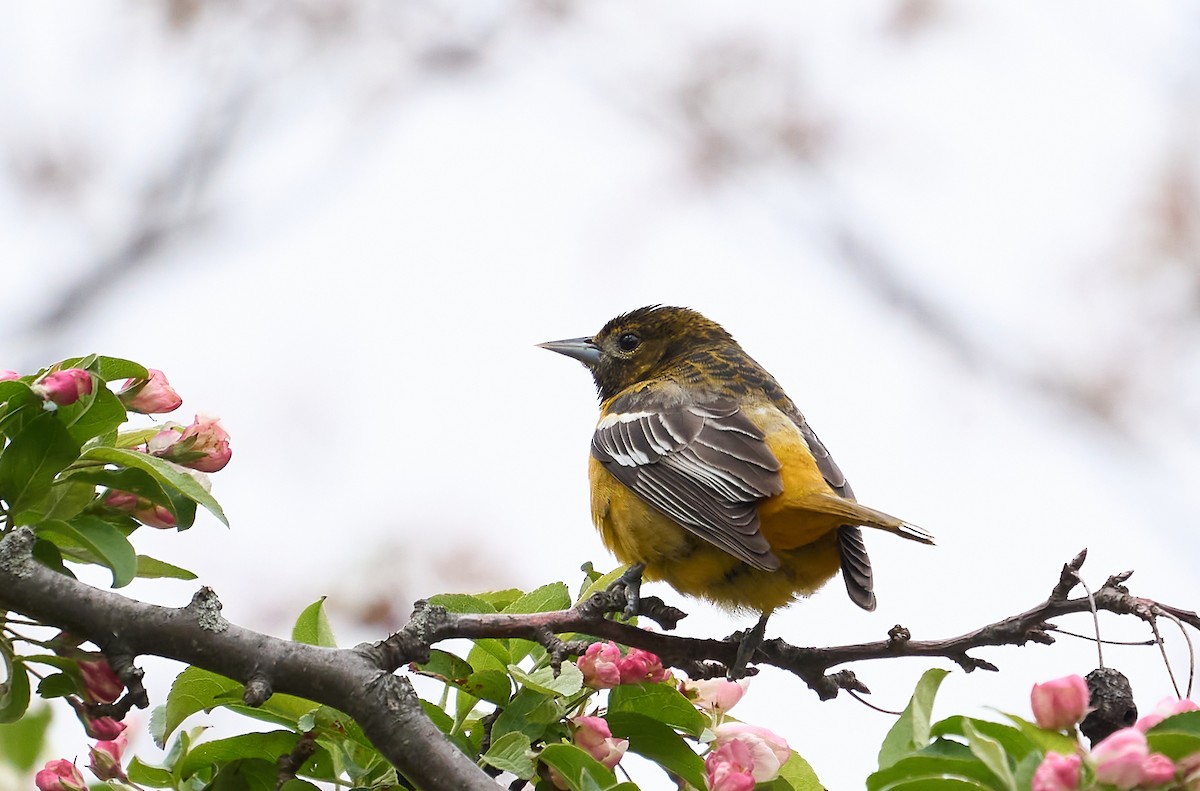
856, 565
704, 465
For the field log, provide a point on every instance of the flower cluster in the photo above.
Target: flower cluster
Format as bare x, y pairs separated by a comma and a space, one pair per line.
739, 757
604, 667
1123, 760
100, 685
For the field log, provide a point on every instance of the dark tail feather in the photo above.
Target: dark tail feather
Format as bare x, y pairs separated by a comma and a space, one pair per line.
856, 567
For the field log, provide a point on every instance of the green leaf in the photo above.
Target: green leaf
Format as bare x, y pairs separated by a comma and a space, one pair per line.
312, 627
194, 690
795, 775
654, 740
581, 771
266, 746
152, 568
658, 702
911, 731
461, 603
501, 598
547, 598
529, 712
93, 415
1176, 736
568, 682
124, 479
991, 753
14, 692
950, 761
445, 667
510, 753
66, 499
107, 368
57, 685
1044, 741
169, 476
23, 741
254, 774
490, 685
146, 775
1014, 741
109, 546
28, 465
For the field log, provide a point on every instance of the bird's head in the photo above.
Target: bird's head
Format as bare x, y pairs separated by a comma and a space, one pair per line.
641, 344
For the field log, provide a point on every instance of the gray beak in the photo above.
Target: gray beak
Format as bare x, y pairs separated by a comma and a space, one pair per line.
582, 349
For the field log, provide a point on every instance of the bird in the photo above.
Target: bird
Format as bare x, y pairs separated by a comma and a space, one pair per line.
705, 475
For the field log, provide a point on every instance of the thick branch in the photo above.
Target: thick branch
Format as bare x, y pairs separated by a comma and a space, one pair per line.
384, 705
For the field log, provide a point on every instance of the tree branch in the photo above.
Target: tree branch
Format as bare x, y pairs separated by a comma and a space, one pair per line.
384, 705
360, 681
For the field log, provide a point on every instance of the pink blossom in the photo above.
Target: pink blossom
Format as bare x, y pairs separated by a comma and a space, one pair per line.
140, 508
716, 694
768, 750
730, 767
60, 775
593, 736
100, 681
1167, 707
1060, 703
1157, 770
105, 759
103, 728
64, 387
1057, 773
6, 375
599, 665
640, 666
150, 396
204, 445
1119, 758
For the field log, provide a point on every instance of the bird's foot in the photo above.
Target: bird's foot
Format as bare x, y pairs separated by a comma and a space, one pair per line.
630, 583
750, 641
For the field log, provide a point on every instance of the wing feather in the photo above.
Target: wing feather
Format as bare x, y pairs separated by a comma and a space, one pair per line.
704, 465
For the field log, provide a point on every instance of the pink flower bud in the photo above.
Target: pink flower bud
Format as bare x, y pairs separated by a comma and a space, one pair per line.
105, 759
100, 682
730, 768
204, 445
768, 750
7, 375
1167, 707
716, 694
593, 736
1157, 770
640, 666
64, 387
103, 728
1060, 703
140, 508
1119, 758
60, 775
1057, 773
151, 396
599, 665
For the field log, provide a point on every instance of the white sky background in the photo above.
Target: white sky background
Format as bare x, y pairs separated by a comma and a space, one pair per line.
963, 236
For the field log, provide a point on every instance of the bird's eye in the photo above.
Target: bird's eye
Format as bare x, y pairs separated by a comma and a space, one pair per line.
628, 342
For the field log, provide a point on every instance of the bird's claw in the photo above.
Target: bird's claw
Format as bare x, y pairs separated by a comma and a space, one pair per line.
630, 583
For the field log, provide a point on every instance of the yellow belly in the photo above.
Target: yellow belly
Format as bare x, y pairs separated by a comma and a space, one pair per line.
635, 532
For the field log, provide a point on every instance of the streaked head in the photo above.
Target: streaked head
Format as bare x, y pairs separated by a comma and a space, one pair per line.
638, 345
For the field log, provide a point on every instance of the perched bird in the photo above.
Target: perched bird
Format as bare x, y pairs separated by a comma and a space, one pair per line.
704, 474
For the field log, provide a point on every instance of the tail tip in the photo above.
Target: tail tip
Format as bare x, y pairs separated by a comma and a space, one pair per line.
914, 533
